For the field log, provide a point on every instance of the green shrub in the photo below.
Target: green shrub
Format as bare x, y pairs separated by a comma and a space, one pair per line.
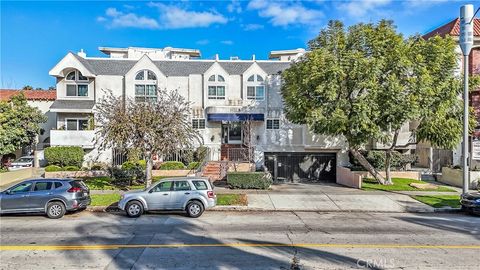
65, 155
53, 168
249, 180
172, 165
200, 153
133, 170
71, 168
193, 165
3, 169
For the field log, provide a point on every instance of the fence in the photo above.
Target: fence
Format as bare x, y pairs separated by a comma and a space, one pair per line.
119, 156
434, 159
240, 154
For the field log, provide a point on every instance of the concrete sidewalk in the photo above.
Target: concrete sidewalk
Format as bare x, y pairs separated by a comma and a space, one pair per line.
330, 197
347, 203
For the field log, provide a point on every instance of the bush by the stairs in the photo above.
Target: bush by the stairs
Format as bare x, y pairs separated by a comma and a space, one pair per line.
172, 165
53, 168
193, 165
249, 180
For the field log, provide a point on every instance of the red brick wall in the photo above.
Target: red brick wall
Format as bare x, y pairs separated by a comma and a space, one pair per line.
474, 61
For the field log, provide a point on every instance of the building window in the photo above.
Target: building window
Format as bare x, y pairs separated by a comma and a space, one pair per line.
256, 92
76, 124
76, 89
216, 87
198, 123
145, 86
273, 123
255, 87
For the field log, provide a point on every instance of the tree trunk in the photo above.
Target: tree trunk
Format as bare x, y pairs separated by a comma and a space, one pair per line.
364, 162
388, 159
148, 169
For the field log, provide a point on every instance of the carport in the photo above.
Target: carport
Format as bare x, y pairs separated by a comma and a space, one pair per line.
296, 166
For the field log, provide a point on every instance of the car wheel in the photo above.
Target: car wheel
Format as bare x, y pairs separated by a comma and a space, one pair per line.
55, 210
194, 209
134, 209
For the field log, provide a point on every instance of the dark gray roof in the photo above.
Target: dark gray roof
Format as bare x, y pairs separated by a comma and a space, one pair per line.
183, 68
235, 68
273, 67
176, 68
73, 104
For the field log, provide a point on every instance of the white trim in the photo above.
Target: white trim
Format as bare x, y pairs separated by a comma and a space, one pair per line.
72, 110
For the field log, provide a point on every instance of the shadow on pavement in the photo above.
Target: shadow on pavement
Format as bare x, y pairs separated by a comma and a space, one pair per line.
162, 229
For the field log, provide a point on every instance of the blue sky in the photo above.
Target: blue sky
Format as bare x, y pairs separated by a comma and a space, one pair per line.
35, 35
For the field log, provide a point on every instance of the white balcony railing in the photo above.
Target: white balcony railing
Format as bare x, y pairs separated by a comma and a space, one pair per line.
83, 138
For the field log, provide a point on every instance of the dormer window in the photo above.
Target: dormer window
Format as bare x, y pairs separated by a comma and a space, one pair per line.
145, 86
255, 87
77, 84
216, 87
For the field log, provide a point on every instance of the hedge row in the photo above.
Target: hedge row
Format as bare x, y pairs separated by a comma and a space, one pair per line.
65, 155
249, 180
55, 168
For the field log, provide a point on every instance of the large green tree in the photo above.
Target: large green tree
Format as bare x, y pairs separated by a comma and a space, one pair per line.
157, 127
19, 123
367, 81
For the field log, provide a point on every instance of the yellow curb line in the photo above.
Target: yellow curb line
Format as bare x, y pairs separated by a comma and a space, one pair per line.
104, 247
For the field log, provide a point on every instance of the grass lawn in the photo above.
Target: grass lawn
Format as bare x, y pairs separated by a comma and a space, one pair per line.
104, 199
231, 199
439, 201
399, 184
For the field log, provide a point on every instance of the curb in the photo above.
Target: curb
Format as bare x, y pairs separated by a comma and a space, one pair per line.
247, 209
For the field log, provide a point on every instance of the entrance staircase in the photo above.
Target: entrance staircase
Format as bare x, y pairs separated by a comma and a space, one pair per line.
214, 170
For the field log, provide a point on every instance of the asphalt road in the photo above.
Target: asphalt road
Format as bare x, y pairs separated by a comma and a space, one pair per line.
241, 240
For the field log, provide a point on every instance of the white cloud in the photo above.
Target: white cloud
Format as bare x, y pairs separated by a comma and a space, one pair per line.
202, 42
227, 42
360, 8
118, 19
173, 17
234, 6
286, 13
252, 26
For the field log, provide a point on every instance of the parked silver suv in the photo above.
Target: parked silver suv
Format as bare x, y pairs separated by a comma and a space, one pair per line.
51, 196
191, 194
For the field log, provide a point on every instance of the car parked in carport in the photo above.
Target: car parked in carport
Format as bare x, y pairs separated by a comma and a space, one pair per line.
53, 197
190, 194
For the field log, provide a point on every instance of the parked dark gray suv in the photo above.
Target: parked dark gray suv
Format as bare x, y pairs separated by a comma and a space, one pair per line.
51, 196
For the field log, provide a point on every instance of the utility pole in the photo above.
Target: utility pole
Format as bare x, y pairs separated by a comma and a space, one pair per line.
466, 43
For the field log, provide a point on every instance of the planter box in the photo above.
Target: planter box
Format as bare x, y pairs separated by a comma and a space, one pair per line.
76, 174
454, 177
353, 179
346, 177
171, 173
241, 167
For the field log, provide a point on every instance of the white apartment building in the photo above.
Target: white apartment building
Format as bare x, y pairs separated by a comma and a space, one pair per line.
223, 93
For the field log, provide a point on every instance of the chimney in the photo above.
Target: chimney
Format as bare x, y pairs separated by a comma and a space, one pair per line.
253, 57
216, 57
82, 54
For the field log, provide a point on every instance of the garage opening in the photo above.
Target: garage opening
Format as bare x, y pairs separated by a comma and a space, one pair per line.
299, 166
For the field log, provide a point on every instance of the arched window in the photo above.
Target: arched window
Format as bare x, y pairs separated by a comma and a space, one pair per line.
76, 84
216, 87
145, 86
255, 87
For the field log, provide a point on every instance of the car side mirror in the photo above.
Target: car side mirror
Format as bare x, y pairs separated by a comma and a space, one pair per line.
8, 192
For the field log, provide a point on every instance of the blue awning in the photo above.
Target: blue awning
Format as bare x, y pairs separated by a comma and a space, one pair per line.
235, 117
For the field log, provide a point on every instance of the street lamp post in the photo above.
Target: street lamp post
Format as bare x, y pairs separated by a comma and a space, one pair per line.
466, 43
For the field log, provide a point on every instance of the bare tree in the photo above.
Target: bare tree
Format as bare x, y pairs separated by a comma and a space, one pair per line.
155, 127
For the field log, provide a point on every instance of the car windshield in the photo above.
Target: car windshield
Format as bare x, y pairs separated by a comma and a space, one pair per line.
24, 159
